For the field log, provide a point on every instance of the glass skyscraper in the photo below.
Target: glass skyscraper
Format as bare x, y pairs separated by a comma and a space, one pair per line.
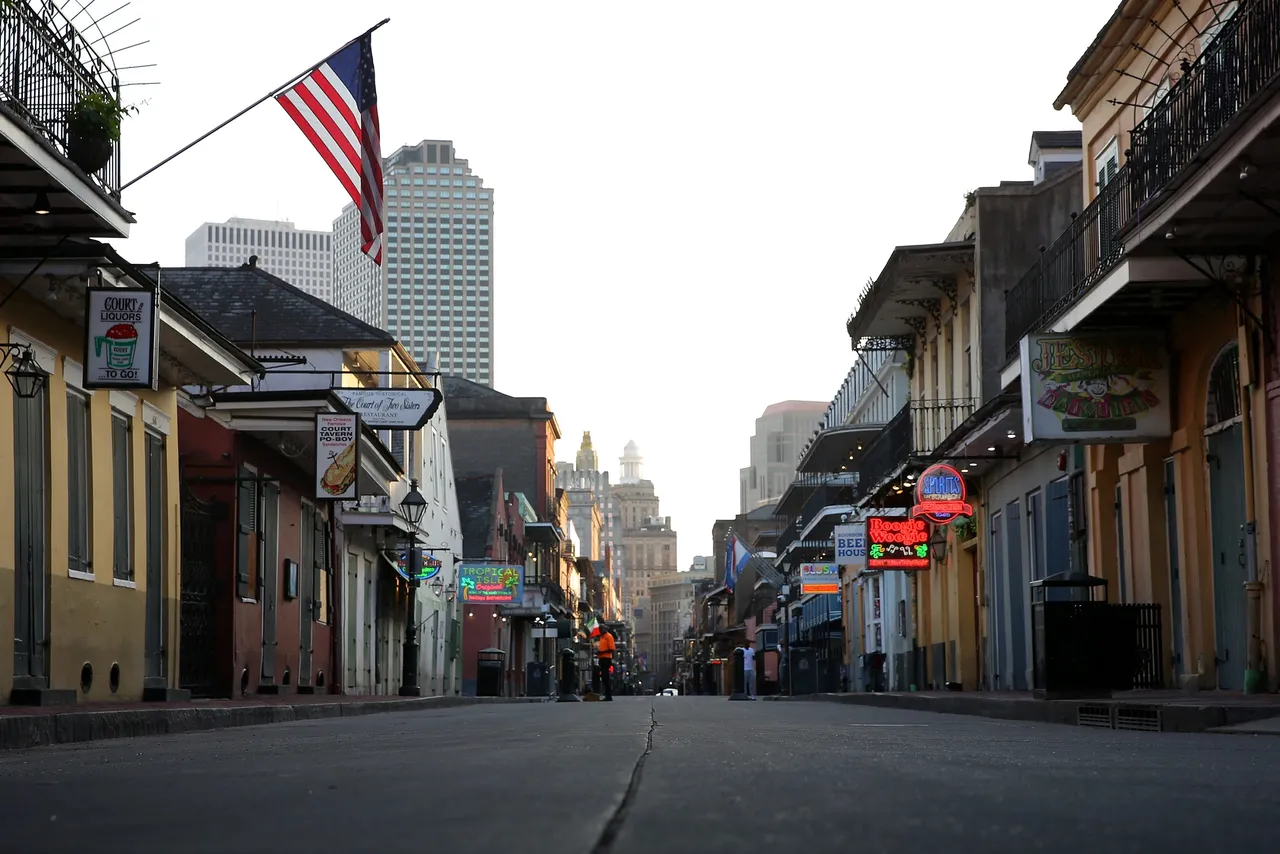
435, 290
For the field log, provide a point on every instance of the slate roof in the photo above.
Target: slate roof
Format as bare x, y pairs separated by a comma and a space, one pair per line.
228, 297
1048, 139
475, 508
467, 399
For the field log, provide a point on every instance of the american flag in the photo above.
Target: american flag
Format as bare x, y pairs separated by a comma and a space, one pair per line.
336, 106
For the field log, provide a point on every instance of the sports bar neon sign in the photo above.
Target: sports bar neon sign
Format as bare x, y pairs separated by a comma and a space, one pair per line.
940, 495
894, 542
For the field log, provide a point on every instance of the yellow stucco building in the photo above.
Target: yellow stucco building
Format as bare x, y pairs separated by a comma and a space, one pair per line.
1176, 101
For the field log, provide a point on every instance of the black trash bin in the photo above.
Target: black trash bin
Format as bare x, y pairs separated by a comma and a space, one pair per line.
489, 663
536, 679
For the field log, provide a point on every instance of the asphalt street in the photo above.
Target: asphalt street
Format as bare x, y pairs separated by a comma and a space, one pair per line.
648, 776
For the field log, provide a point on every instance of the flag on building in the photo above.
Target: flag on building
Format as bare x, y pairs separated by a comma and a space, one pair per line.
336, 107
737, 555
593, 626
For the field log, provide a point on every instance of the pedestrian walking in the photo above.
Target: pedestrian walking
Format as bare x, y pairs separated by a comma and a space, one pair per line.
604, 660
749, 669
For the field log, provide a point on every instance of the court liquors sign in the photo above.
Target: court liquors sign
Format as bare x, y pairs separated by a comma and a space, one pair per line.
121, 338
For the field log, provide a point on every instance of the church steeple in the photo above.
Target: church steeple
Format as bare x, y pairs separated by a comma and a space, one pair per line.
587, 459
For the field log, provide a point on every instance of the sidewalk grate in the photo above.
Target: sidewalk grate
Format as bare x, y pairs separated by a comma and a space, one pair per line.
1095, 715
1142, 718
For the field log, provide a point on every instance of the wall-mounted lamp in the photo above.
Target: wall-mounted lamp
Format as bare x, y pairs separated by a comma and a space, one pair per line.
24, 374
938, 542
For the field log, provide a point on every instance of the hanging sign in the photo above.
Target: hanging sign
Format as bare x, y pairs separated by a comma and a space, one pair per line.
337, 455
894, 542
392, 408
819, 578
121, 341
492, 584
851, 545
940, 495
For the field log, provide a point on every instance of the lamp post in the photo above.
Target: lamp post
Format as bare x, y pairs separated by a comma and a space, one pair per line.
24, 374
412, 508
783, 596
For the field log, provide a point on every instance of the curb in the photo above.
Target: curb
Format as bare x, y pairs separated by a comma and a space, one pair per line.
19, 732
1182, 718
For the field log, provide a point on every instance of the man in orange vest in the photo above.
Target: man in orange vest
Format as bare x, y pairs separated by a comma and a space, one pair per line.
604, 658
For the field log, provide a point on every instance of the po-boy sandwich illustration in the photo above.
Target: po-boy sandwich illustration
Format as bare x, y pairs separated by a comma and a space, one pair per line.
341, 472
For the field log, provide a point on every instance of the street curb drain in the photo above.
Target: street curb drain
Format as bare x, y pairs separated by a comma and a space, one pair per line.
1094, 715
18, 731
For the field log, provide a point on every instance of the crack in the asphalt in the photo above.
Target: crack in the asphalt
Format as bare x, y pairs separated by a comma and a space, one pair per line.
613, 826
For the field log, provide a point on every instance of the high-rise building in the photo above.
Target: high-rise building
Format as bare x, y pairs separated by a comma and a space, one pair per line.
781, 433
435, 289
302, 257
585, 483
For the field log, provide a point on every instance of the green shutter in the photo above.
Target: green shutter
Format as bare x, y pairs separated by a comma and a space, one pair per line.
247, 495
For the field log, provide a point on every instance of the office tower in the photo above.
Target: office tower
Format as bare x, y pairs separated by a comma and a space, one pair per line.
301, 257
435, 291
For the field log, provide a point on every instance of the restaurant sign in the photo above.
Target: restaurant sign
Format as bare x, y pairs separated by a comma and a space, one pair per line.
819, 578
940, 495
337, 455
392, 408
1098, 388
491, 583
894, 542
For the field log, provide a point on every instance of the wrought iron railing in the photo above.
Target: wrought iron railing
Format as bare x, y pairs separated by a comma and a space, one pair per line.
1241, 62
889, 449
826, 496
1071, 265
932, 421
46, 68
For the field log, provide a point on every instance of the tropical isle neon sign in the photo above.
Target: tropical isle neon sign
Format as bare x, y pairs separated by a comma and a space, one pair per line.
940, 495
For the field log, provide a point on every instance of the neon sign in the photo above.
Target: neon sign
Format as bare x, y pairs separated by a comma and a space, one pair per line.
491, 584
940, 495
894, 542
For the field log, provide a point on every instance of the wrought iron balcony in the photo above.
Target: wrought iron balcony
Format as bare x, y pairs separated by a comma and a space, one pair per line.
1241, 64
914, 433
889, 449
827, 496
932, 421
46, 68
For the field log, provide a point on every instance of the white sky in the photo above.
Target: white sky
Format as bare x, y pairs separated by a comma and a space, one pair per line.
692, 191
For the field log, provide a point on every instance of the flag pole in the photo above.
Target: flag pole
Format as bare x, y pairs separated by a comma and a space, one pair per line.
294, 79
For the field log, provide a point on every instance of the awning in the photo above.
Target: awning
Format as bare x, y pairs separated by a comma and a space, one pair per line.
837, 449
541, 532
286, 420
906, 294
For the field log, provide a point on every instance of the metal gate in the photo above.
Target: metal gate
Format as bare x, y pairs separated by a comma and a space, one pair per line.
196, 620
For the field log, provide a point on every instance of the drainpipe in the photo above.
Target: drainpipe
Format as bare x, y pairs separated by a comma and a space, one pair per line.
1253, 674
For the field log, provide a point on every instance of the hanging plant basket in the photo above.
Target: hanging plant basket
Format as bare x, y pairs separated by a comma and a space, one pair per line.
93, 127
90, 153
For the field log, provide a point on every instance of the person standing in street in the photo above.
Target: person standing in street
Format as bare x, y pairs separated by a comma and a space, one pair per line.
604, 660
749, 669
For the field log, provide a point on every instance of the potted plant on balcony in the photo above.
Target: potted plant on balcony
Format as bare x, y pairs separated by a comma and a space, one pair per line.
966, 529
93, 126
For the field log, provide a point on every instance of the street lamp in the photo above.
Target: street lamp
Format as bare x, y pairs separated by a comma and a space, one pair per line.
25, 375
412, 508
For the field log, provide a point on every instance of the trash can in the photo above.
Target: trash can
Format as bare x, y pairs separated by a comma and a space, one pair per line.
537, 683
489, 663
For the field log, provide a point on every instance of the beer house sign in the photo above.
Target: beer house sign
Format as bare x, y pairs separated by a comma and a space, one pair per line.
940, 495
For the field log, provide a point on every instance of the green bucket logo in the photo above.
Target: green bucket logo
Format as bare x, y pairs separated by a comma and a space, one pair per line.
120, 344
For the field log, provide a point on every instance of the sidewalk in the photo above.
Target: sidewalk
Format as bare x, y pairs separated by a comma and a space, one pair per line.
35, 726
1156, 711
